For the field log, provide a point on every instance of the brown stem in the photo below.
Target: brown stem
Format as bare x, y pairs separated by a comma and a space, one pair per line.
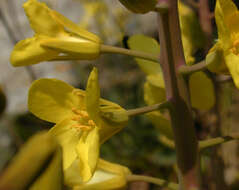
216, 162
172, 57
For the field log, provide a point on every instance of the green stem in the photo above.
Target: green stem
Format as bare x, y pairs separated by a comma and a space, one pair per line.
217, 141
157, 181
203, 144
133, 53
186, 70
147, 109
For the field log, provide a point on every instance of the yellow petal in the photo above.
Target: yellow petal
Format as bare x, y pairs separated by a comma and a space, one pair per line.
52, 177
162, 123
223, 31
80, 47
143, 43
51, 100
30, 51
154, 91
93, 97
40, 18
107, 176
74, 28
72, 175
201, 91
215, 59
113, 118
68, 137
113, 168
232, 62
88, 153
230, 15
192, 35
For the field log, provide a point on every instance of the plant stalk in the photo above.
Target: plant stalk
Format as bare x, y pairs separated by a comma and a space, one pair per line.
157, 181
133, 53
147, 109
172, 57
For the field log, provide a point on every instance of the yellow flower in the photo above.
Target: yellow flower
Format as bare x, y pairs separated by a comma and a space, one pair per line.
83, 120
56, 38
108, 176
224, 55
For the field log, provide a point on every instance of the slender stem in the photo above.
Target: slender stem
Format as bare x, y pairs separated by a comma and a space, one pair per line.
223, 78
157, 181
217, 165
147, 109
172, 57
217, 141
186, 70
203, 144
133, 53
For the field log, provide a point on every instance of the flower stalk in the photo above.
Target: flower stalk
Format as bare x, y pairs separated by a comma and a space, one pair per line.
156, 181
147, 109
133, 53
172, 57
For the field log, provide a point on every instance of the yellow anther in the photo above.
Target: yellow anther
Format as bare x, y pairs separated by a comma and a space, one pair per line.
80, 113
76, 111
91, 123
234, 50
82, 127
76, 118
83, 114
236, 43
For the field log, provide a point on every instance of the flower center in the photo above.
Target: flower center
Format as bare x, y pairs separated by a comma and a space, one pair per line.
83, 121
235, 47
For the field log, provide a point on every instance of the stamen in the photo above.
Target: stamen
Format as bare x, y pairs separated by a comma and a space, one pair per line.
81, 113
91, 123
82, 127
76, 118
236, 43
234, 50
76, 111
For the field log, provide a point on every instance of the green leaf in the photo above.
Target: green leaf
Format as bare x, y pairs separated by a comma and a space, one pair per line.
201, 91
146, 44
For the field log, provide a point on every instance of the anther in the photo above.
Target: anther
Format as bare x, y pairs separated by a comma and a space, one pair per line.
83, 127
91, 123
236, 43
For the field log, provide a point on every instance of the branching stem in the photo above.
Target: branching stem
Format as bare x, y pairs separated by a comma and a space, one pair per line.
186, 70
147, 109
157, 181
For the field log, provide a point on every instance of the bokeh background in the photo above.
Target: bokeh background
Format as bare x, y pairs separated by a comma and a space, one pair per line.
138, 146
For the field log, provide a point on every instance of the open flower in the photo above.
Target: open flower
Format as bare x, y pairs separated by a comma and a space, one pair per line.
224, 55
108, 176
83, 120
56, 38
